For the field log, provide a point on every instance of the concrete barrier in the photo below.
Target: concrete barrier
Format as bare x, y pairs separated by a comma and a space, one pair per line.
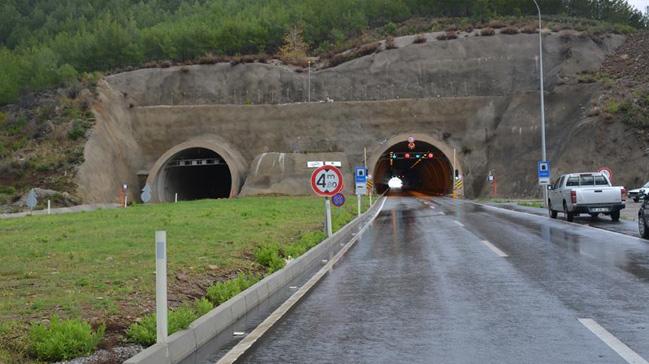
183, 343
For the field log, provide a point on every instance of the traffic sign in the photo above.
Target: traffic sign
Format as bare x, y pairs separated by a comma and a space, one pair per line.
543, 170
607, 171
338, 200
318, 164
146, 194
360, 174
327, 181
32, 200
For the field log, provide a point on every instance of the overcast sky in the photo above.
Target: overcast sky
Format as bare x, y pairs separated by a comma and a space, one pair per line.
639, 4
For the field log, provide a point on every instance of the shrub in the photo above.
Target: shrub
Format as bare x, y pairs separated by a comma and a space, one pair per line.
496, 24
390, 28
420, 38
78, 130
269, 256
306, 242
390, 44
63, 339
223, 291
487, 32
529, 30
509, 30
451, 35
613, 106
145, 333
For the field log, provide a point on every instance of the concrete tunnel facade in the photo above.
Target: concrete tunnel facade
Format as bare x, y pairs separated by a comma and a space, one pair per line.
209, 168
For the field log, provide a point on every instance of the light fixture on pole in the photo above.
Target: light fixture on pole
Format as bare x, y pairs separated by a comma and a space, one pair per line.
543, 150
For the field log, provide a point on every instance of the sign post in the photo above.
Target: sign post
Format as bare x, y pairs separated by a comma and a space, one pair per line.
327, 181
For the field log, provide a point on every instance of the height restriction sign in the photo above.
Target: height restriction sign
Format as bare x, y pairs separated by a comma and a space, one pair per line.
327, 181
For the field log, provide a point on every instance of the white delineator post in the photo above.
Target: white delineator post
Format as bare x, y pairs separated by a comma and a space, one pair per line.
176, 198
49, 207
161, 285
328, 212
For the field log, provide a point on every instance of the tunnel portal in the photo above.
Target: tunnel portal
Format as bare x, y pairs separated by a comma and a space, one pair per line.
423, 169
194, 174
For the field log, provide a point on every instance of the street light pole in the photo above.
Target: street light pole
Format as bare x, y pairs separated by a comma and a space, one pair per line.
544, 153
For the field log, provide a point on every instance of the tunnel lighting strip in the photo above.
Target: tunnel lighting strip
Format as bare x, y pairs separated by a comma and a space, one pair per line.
194, 162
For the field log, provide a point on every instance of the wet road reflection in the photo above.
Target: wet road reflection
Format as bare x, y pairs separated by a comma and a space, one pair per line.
422, 286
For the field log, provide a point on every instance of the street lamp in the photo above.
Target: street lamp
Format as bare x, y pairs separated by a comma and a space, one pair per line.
544, 154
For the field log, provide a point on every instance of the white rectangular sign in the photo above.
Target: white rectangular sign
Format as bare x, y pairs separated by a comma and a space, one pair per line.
314, 164
361, 189
544, 181
334, 163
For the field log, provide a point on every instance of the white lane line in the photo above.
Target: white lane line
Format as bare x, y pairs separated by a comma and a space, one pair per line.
494, 249
459, 223
432, 207
442, 213
246, 343
614, 343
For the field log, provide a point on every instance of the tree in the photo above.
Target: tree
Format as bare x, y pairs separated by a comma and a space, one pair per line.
294, 45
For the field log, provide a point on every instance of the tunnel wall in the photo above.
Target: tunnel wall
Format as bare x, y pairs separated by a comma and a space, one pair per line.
477, 96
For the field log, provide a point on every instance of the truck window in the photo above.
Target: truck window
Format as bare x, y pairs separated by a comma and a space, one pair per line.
572, 181
586, 180
600, 181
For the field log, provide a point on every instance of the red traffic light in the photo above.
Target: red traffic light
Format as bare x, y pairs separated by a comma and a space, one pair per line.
406, 156
430, 155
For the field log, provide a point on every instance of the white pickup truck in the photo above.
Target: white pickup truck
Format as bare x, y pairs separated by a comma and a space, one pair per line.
585, 193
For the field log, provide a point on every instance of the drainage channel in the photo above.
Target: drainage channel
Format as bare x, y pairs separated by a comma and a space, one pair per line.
216, 348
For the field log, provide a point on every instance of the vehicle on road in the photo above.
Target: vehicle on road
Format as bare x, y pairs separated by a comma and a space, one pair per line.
585, 193
639, 193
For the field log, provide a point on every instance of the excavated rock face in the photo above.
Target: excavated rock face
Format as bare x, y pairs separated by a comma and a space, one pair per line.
474, 97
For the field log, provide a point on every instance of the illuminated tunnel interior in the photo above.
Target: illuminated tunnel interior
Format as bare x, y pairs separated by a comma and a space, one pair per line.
195, 174
423, 169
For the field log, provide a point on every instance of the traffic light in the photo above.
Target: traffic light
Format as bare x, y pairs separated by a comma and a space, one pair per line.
430, 155
406, 156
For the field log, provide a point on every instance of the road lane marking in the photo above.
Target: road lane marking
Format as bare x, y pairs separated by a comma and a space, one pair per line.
614, 343
242, 346
494, 249
459, 223
432, 207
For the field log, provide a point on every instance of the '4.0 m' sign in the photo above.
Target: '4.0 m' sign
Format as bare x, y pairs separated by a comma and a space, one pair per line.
327, 181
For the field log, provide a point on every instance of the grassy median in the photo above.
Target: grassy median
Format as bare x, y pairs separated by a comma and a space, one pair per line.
99, 266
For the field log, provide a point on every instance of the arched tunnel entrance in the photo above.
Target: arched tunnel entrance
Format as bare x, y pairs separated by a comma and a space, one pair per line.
424, 169
194, 174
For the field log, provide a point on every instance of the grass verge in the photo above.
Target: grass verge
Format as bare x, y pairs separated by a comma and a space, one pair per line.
99, 266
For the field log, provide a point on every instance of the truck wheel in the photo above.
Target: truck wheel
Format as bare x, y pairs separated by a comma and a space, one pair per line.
569, 215
553, 214
642, 227
615, 215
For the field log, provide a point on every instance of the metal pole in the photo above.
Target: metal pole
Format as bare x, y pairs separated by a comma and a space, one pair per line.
125, 200
454, 192
328, 211
358, 199
309, 82
161, 285
543, 150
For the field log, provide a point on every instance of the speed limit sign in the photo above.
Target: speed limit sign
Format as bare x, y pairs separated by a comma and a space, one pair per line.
327, 181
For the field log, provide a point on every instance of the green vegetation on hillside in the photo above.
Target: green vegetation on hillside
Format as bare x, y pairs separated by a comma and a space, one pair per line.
44, 43
100, 265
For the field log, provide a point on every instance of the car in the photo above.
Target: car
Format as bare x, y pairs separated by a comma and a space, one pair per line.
639, 193
585, 193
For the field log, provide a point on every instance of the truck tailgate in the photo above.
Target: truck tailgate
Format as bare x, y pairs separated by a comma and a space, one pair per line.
599, 195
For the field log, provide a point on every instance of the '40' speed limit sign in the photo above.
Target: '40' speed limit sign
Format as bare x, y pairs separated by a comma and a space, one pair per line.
327, 181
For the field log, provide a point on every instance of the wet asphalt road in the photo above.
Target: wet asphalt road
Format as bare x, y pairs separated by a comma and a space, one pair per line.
421, 286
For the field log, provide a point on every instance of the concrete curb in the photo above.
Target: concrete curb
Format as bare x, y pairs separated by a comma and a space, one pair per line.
183, 343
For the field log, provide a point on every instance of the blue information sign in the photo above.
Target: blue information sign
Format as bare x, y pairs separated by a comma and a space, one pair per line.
338, 200
360, 175
544, 169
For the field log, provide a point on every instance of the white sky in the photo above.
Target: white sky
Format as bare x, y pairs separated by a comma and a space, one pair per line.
639, 4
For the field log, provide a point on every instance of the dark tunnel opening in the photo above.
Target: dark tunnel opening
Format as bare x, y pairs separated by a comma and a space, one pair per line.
424, 169
195, 174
